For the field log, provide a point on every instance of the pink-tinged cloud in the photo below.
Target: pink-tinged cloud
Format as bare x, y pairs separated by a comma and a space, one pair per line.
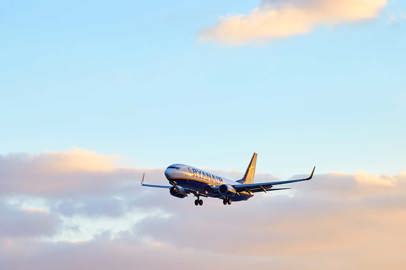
335, 221
25, 223
77, 160
280, 19
72, 172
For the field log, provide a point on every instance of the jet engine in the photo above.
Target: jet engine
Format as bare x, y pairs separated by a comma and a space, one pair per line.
178, 192
227, 190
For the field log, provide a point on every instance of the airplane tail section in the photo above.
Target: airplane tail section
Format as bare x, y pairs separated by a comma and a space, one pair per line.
250, 172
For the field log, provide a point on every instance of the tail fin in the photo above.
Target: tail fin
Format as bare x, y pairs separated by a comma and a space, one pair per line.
250, 172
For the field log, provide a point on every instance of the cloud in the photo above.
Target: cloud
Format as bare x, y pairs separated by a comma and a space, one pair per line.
313, 219
275, 19
65, 173
106, 220
104, 254
377, 181
26, 223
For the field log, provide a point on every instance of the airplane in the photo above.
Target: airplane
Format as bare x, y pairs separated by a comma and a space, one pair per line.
185, 180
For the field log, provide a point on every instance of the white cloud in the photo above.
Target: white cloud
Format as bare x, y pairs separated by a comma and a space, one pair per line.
83, 228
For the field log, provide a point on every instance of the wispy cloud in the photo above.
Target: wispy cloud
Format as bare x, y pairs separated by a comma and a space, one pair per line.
275, 19
396, 18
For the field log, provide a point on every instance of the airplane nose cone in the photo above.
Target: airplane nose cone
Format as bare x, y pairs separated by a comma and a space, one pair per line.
173, 172
168, 173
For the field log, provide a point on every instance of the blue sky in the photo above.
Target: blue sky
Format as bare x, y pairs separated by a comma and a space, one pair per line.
302, 82
133, 79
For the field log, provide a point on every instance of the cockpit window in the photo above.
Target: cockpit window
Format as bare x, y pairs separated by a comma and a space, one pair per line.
173, 167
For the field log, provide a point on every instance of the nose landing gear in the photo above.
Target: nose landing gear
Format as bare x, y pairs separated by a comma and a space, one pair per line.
226, 201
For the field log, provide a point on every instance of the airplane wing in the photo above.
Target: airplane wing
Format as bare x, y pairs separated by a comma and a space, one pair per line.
268, 186
153, 186
168, 187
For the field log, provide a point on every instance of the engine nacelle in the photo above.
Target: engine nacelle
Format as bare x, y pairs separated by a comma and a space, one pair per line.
227, 190
178, 192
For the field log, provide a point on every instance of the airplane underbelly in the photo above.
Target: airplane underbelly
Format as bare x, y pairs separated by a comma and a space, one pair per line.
205, 188
241, 197
192, 184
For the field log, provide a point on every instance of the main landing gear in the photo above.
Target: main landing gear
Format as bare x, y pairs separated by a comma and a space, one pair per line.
226, 201
198, 202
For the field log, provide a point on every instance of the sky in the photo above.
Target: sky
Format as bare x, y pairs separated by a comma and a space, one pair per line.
93, 93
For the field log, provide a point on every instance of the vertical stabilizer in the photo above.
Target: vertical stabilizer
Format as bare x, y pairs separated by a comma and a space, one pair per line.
250, 173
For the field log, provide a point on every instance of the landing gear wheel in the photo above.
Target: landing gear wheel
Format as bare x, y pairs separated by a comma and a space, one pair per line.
198, 202
226, 201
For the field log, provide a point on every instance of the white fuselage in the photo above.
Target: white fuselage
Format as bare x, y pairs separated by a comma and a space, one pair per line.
201, 181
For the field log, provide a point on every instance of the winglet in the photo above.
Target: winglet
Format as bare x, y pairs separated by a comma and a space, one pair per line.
142, 180
311, 175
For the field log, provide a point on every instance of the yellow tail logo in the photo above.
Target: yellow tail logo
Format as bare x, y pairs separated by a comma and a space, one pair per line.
250, 173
